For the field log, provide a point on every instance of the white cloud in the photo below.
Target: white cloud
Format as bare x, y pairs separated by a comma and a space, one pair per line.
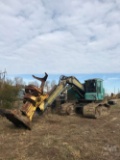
71, 36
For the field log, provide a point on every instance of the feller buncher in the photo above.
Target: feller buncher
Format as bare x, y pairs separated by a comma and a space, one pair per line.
72, 96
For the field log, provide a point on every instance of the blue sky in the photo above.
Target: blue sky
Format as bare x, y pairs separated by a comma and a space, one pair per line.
60, 37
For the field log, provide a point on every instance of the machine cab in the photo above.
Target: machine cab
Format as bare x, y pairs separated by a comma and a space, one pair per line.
94, 90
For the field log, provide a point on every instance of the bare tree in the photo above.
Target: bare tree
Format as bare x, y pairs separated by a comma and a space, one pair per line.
2, 78
53, 83
19, 81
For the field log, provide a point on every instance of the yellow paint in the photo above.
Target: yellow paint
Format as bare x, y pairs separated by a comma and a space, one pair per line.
30, 109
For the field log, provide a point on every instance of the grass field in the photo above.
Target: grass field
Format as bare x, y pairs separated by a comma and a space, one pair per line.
55, 137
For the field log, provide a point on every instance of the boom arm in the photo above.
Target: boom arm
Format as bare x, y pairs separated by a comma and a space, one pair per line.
64, 83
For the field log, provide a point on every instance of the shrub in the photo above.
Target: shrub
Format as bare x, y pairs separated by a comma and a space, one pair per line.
8, 94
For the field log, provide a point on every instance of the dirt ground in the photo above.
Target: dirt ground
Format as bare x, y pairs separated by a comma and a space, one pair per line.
55, 137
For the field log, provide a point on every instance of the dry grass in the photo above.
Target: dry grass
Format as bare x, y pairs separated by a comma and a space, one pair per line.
55, 137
